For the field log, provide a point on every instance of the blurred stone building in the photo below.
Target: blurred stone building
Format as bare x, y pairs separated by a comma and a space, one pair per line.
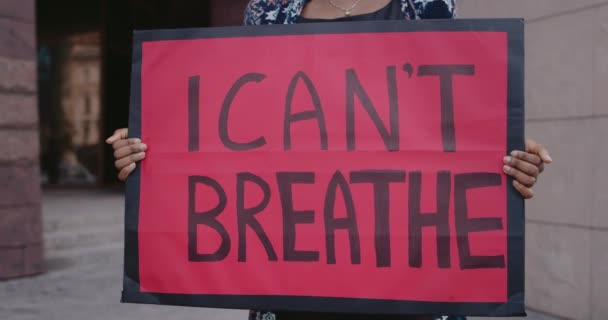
20, 221
567, 109
70, 110
64, 86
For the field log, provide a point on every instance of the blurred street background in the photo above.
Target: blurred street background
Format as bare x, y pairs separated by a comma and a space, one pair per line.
64, 87
83, 235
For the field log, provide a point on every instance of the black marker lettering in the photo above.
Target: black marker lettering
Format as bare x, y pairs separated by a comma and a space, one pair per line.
446, 73
349, 223
381, 181
464, 225
193, 105
208, 218
223, 121
291, 217
439, 219
305, 115
246, 216
354, 87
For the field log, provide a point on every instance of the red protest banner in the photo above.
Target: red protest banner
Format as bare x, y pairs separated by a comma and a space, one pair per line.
328, 167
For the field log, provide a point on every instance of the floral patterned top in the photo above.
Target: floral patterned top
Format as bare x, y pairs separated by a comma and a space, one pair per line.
267, 12
263, 12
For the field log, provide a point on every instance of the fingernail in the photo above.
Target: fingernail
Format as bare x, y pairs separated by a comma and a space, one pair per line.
132, 165
142, 155
137, 140
515, 153
144, 147
506, 169
549, 158
507, 159
515, 183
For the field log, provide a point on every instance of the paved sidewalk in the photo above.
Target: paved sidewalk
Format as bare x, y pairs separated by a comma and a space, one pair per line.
84, 240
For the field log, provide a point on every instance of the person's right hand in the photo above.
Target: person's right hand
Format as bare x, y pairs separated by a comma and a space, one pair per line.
126, 152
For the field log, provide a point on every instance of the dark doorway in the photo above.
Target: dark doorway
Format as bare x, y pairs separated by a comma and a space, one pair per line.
69, 85
84, 59
120, 19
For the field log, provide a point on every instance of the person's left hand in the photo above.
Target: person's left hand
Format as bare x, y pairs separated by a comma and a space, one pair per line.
526, 167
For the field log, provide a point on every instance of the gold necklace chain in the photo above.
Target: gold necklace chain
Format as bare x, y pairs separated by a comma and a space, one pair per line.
347, 11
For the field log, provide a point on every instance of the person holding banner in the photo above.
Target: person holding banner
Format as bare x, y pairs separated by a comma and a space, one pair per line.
524, 166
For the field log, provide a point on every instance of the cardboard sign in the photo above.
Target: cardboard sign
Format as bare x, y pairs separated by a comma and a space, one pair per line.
339, 167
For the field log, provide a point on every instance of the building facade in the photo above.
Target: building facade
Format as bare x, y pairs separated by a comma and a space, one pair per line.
567, 109
21, 247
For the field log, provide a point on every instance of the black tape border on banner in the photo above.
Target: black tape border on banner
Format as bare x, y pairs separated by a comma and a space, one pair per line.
515, 204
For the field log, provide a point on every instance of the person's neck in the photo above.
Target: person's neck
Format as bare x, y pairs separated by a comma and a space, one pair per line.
323, 9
